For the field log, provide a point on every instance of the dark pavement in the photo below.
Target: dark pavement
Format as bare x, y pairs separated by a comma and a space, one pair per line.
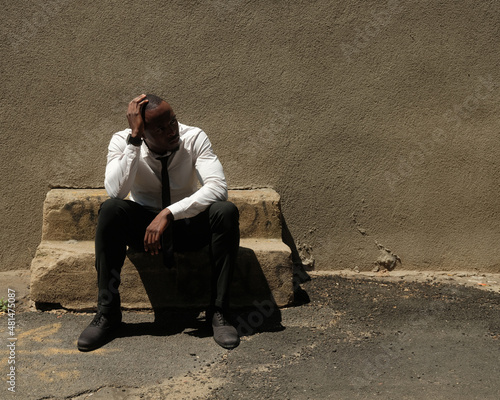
350, 338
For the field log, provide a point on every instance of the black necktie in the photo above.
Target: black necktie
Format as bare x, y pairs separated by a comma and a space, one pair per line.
166, 241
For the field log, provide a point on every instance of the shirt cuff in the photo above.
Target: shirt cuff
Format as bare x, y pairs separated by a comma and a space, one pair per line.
132, 148
176, 211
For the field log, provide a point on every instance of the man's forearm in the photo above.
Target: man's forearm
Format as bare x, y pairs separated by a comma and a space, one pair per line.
200, 200
121, 171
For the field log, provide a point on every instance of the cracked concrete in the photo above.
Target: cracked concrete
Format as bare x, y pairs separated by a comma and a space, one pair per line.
398, 334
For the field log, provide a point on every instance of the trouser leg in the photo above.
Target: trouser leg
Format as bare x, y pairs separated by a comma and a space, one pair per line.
224, 244
218, 227
120, 223
123, 223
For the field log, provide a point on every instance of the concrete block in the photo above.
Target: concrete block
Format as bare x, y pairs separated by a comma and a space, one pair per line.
71, 214
63, 272
260, 212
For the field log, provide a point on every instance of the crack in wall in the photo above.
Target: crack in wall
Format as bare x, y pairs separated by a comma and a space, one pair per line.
387, 260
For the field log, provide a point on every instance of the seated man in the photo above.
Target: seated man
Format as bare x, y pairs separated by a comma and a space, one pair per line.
159, 162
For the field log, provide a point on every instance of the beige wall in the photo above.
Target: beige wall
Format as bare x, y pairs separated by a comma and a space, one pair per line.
377, 122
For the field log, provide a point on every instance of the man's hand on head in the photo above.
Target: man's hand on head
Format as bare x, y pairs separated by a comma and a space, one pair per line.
152, 238
134, 115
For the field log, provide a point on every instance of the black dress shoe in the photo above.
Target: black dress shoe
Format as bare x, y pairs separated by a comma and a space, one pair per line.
225, 334
99, 331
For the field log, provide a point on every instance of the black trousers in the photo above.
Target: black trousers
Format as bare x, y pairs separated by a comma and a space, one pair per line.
123, 223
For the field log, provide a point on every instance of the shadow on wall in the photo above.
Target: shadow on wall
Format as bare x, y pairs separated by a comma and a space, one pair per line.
300, 274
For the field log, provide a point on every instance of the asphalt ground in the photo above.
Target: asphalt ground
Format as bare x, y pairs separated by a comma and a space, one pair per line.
348, 337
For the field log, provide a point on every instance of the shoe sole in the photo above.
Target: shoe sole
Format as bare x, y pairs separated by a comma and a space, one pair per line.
106, 339
227, 347
96, 346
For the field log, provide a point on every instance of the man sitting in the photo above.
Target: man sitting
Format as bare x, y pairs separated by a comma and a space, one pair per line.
160, 161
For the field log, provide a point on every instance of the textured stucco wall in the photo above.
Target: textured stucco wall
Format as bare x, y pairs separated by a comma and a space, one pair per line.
377, 121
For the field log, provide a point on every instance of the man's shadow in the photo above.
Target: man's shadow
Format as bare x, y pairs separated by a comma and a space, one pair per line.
167, 323
180, 296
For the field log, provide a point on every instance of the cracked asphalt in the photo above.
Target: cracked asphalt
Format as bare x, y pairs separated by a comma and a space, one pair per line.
349, 337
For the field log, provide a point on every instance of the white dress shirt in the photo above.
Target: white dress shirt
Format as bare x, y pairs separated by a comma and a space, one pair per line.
136, 170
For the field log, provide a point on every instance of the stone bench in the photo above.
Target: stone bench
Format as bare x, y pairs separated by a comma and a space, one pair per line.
63, 272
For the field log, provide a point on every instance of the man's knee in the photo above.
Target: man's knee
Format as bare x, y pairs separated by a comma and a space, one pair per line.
111, 212
224, 212
111, 207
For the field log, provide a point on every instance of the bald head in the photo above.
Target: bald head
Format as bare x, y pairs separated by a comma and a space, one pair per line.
153, 102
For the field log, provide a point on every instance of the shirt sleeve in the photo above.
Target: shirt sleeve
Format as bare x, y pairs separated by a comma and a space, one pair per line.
121, 167
211, 176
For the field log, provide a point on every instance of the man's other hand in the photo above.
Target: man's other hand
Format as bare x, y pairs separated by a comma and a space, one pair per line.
134, 117
152, 238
